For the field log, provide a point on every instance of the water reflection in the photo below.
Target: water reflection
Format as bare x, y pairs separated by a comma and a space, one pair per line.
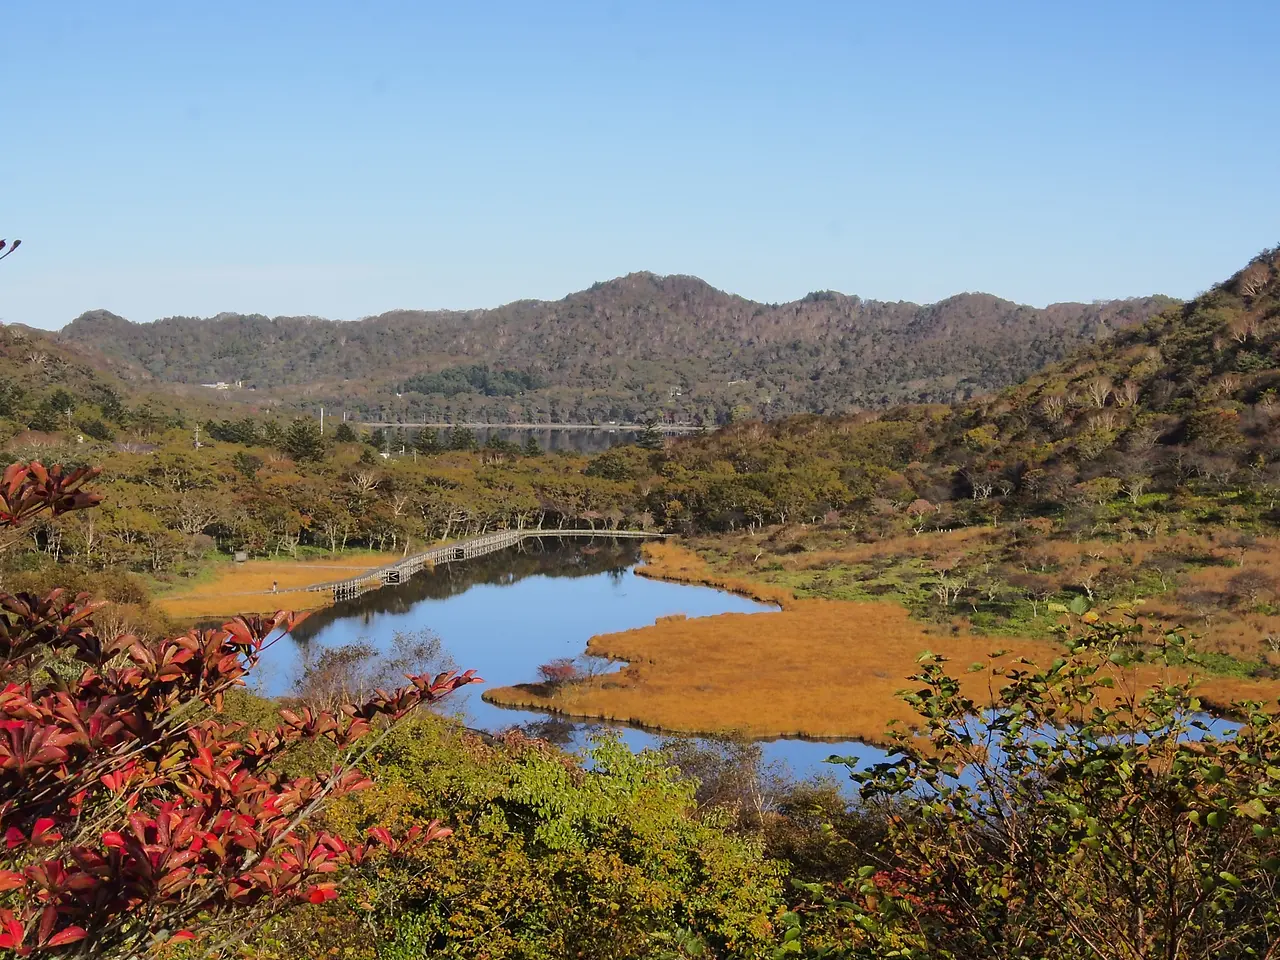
506, 613
555, 440
549, 439
535, 557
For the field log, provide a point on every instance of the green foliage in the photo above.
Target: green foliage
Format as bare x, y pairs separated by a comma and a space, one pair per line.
427, 442
97, 429
246, 464
345, 434
244, 431
303, 440
500, 445
462, 438
476, 378
1077, 814
552, 860
650, 438
610, 465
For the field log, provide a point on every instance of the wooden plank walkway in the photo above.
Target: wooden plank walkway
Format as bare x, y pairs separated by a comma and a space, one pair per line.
402, 570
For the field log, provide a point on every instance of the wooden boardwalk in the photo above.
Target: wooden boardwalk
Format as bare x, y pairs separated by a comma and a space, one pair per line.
402, 570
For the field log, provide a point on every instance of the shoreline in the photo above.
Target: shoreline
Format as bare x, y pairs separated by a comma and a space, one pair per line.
672, 428
226, 590
817, 669
658, 730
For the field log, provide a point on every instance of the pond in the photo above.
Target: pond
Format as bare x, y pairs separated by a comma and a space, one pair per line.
588, 440
506, 613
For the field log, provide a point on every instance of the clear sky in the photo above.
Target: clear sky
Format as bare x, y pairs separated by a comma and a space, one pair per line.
341, 159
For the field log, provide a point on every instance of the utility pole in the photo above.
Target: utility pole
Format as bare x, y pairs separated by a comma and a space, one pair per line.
322, 421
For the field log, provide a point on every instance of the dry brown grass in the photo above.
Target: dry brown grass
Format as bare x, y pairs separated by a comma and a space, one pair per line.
665, 560
1224, 626
246, 587
818, 668
933, 546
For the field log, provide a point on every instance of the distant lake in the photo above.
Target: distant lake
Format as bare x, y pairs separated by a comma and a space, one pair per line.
506, 613
576, 439
551, 439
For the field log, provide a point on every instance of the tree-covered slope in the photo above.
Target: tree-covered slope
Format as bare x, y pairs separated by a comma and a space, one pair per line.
1189, 394
1185, 403
637, 346
51, 386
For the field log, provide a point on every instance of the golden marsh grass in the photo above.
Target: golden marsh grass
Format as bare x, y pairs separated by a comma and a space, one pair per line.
817, 668
246, 587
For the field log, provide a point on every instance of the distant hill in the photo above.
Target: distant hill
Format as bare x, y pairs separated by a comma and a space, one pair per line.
1192, 394
1176, 415
53, 391
639, 346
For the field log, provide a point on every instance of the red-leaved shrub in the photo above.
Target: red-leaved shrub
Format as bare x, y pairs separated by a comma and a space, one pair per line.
133, 814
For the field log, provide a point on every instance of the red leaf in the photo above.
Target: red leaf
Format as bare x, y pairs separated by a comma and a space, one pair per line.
43, 832
183, 935
69, 935
48, 920
13, 935
321, 893
113, 839
10, 880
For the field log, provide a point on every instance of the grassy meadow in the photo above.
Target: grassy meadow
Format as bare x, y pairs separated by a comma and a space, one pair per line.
229, 588
819, 667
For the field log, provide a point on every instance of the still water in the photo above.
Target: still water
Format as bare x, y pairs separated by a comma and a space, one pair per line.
589, 441
506, 613
554, 440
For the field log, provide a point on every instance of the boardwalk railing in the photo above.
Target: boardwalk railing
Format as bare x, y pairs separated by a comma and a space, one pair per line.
402, 570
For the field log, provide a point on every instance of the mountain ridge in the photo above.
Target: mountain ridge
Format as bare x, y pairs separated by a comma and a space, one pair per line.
635, 346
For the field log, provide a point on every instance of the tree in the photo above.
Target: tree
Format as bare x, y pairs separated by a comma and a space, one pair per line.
1250, 586
549, 859
246, 464
344, 434
462, 438
427, 442
558, 672
650, 437
497, 444
1037, 588
1083, 811
919, 510
131, 809
1098, 391
303, 440
531, 447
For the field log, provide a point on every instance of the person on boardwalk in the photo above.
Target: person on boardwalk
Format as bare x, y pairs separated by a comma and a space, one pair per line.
275, 586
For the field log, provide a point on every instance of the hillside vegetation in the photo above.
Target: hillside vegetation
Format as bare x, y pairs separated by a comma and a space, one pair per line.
1077, 519
52, 390
636, 347
1143, 472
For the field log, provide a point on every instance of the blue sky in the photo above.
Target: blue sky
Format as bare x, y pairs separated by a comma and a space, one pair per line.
342, 159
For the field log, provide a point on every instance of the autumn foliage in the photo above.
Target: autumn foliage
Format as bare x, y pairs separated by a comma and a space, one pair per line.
131, 813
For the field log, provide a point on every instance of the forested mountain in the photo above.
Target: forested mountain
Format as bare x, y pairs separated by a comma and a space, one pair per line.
1188, 401
48, 386
635, 347
1191, 394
